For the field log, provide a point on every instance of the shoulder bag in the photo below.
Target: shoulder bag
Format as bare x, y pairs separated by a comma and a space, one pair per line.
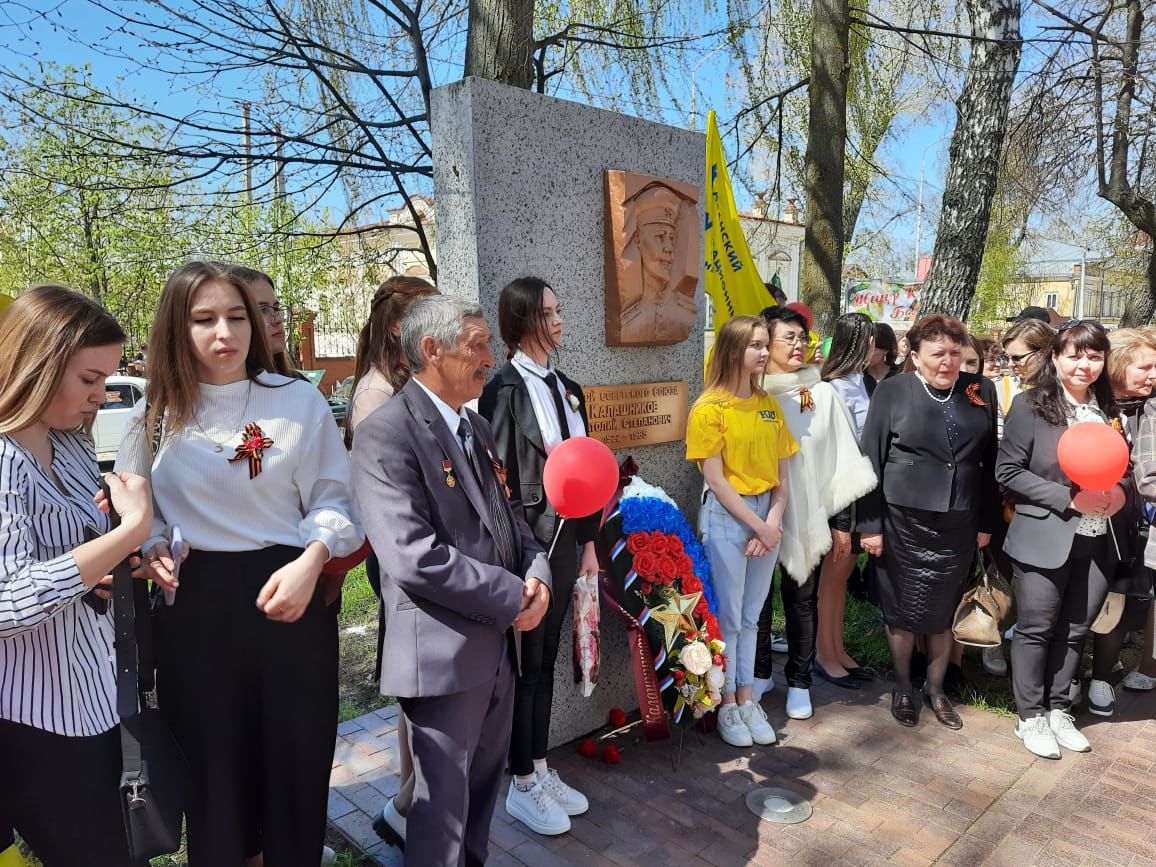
982, 611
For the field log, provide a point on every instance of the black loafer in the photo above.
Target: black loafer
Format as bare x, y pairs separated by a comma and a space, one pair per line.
944, 712
861, 674
846, 681
904, 708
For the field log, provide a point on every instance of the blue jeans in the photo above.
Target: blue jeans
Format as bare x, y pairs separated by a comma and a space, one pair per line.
741, 583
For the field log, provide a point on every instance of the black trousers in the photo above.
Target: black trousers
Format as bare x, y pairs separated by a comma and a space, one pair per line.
1055, 609
534, 692
253, 704
62, 796
801, 610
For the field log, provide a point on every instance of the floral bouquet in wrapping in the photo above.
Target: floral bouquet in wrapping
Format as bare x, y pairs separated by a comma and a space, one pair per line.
666, 587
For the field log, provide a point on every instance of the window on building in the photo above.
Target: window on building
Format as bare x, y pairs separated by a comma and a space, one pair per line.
1051, 299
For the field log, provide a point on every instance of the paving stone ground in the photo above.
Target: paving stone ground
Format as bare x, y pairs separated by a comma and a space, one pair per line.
881, 793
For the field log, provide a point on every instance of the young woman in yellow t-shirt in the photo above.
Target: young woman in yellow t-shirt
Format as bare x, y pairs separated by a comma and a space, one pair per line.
738, 437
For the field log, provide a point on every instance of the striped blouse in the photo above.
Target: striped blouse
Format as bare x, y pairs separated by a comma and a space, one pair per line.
57, 671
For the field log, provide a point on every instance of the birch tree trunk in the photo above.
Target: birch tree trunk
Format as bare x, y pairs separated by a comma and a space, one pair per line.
981, 120
824, 162
500, 41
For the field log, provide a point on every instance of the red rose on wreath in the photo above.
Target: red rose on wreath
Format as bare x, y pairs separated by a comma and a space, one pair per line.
645, 564
667, 570
658, 543
636, 542
647, 588
674, 544
702, 609
691, 584
617, 717
710, 624
685, 565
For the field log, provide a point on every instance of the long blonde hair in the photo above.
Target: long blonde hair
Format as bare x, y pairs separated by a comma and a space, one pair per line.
174, 385
726, 360
39, 334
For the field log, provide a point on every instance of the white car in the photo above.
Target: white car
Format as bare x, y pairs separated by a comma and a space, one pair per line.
121, 394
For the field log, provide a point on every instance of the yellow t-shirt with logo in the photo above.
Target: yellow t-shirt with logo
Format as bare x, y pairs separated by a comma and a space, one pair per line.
749, 432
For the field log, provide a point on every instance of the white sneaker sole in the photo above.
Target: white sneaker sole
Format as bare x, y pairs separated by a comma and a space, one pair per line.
1019, 735
534, 825
1101, 711
740, 742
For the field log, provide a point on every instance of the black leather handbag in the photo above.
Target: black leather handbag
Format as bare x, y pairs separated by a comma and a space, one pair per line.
153, 772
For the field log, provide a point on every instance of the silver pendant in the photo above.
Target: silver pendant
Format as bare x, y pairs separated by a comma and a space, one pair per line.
220, 448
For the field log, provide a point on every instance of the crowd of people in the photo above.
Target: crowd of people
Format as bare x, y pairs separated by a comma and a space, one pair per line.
234, 494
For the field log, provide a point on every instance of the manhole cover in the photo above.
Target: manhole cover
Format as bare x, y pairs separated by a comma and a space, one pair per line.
781, 806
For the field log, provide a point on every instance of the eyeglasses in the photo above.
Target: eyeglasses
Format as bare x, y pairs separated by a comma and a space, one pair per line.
272, 312
1072, 323
797, 340
1020, 359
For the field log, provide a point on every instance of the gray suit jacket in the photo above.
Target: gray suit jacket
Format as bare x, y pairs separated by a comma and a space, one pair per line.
449, 602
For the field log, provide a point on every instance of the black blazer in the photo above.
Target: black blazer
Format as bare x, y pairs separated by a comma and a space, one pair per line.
1043, 528
906, 441
505, 404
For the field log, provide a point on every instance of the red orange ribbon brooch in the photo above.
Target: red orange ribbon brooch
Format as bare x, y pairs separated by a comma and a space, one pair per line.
252, 448
806, 401
972, 392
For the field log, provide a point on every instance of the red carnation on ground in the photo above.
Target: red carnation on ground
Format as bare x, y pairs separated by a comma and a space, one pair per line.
645, 564
610, 755
588, 748
617, 717
637, 542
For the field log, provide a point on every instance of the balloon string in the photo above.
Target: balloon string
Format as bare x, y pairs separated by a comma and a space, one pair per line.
557, 536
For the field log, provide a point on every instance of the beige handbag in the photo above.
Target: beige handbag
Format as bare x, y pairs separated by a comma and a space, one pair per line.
1110, 613
982, 611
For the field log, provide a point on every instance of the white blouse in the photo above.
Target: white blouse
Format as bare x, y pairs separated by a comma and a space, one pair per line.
300, 496
57, 671
545, 411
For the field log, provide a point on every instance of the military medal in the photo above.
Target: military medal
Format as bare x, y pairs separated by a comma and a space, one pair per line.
448, 469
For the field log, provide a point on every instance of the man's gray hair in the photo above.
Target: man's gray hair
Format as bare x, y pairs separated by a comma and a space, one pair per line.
441, 317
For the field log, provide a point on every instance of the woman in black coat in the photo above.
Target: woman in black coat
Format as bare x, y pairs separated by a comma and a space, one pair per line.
532, 407
930, 435
1064, 543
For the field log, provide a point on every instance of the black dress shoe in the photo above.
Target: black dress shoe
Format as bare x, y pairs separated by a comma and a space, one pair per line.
944, 712
904, 708
846, 681
861, 674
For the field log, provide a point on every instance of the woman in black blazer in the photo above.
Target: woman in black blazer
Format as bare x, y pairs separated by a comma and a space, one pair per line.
930, 435
532, 407
1064, 543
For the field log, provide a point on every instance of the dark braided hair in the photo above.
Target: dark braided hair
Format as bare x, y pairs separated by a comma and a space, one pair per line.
850, 346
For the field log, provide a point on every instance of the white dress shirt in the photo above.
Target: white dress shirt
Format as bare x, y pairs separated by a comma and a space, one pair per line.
543, 402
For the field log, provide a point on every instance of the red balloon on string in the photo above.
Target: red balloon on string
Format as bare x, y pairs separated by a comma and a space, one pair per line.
804, 311
580, 477
1093, 455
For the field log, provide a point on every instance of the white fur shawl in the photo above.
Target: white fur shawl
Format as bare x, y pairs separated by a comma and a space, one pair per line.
826, 475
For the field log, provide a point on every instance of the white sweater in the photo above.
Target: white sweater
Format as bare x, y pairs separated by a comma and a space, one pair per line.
826, 475
300, 496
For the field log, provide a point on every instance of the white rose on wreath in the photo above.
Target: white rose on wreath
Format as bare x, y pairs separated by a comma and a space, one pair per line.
696, 658
715, 678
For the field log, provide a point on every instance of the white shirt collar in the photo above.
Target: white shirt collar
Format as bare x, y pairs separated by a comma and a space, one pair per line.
527, 363
451, 418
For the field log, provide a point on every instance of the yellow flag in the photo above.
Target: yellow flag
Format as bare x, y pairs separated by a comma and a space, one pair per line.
732, 281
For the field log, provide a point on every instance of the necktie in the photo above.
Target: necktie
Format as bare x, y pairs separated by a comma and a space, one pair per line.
560, 408
488, 480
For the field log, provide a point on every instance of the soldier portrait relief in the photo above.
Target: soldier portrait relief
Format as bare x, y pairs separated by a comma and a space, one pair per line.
652, 259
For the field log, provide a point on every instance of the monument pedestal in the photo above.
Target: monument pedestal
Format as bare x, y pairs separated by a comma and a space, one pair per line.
520, 183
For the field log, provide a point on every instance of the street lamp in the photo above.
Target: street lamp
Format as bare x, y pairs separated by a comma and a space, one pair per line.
919, 209
694, 75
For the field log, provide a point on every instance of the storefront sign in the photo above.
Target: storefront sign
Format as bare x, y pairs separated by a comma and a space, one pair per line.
625, 416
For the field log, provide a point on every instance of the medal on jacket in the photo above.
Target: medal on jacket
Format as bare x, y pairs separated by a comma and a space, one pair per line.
252, 448
448, 469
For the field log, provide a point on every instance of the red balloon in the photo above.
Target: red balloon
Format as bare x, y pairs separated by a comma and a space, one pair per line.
580, 477
1093, 455
804, 311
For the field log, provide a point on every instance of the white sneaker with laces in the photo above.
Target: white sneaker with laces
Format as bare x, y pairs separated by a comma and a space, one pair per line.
756, 721
572, 802
1067, 735
761, 687
993, 661
1037, 737
1137, 682
537, 810
779, 643
731, 727
1101, 698
799, 703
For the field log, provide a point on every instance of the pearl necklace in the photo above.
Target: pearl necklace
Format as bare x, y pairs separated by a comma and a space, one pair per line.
930, 394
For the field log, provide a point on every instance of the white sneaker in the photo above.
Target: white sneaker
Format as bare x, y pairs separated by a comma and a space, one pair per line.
799, 703
328, 857
731, 727
756, 721
1101, 698
761, 687
1137, 682
993, 661
537, 810
1037, 737
572, 802
779, 643
1067, 735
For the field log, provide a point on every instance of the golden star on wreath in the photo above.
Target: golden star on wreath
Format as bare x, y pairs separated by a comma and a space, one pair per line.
675, 616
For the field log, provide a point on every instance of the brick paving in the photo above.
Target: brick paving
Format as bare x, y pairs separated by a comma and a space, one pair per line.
881, 793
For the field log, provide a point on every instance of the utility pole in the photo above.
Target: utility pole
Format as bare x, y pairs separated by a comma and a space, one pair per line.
1083, 278
247, 147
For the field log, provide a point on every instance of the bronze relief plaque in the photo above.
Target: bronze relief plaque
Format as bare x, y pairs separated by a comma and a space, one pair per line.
625, 416
653, 256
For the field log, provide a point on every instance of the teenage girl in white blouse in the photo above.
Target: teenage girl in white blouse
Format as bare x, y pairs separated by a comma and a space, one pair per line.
251, 467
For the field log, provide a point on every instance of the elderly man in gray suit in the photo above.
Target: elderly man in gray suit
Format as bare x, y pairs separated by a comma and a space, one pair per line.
462, 576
